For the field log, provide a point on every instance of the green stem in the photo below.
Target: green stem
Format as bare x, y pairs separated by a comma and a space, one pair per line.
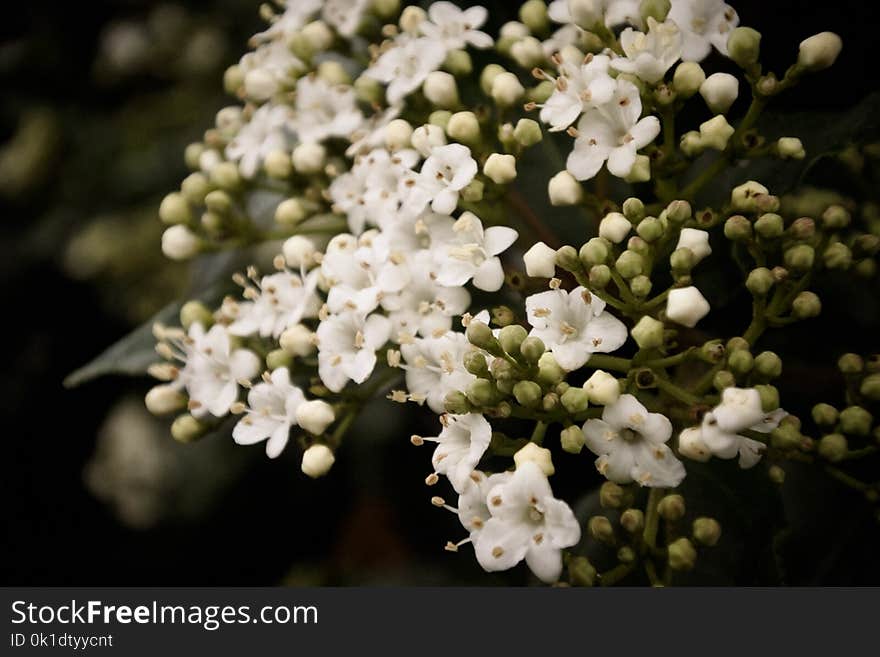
539, 432
605, 362
676, 392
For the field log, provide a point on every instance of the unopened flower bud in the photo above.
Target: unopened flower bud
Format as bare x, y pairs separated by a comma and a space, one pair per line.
456, 402
298, 340
719, 91
500, 168
671, 508
633, 209
186, 429
744, 46
686, 306
740, 362
769, 397
837, 256
164, 399
315, 416
195, 311
487, 77
368, 90
723, 379
737, 228
856, 421
426, 137
681, 555
696, 241
533, 14
309, 158
540, 456
806, 305
398, 135
835, 217
602, 388
743, 198
768, 364
825, 415
691, 445
600, 529
776, 475
464, 127
581, 572
656, 9
563, 189
790, 148
870, 387
715, 133
511, 337
180, 243
299, 251
648, 333
594, 252
506, 89
317, 461
411, 19
802, 229
333, 73
611, 495
568, 259
527, 52
706, 531
528, 393
441, 90
682, 260
833, 447
572, 439
575, 400
549, 371
819, 51
540, 261
600, 276
614, 227
175, 209
632, 520
641, 286
769, 226
532, 348
641, 170
688, 78
650, 229
480, 335
629, 264
481, 393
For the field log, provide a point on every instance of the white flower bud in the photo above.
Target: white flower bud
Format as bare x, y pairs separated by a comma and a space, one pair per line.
527, 52
715, 133
506, 89
691, 445
586, 13
692, 143
426, 137
602, 388
686, 306
298, 340
290, 212
318, 459
790, 148
229, 120
315, 416
513, 30
564, 189
180, 243
688, 78
175, 209
742, 197
318, 36
309, 158
464, 127
411, 18
614, 227
277, 164
819, 51
209, 159
500, 168
260, 84
299, 251
696, 240
540, 261
333, 72
398, 134
440, 89
164, 399
719, 91
540, 456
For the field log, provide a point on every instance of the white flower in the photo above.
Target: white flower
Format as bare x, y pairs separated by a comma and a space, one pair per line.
347, 345
589, 12
325, 110
612, 133
472, 253
574, 325
526, 522
540, 261
740, 410
213, 369
602, 388
473, 509
315, 416
631, 444
460, 446
649, 55
405, 66
272, 408
456, 28
447, 171
697, 241
317, 461
686, 306
344, 15
578, 88
434, 367
296, 14
703, 24
371, 133
283, 300
269, 69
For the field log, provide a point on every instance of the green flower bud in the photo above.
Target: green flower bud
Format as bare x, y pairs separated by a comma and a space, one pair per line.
549, 371
681, 555
528, 393
225, 175
511, 337
456, 402
464, 127
648, 333
678, 212
186, 429
475, 363
713, 351
480, 335
632, 520
600, 276
768, 364
502, 370
836, 217
819, 51
833, 447
601, 529
682, 260
481, 392
825, 415
638, 245
595, 252
195, 188
440, 118
706, 531
572, 439
650, 229
473, 191
641, 286
744, 197
533, 14
837, 256
866, 245
527, 132
671, 508
759, 281
856, 421
550, 403
195, 311
633, 209
806, 305
870, 387
785, 436
629, 264
567, 258
688, 78
368, 90
502, 316
740, 362
776, 475
175, 209
866, 268
770, 226
723, 379
626, 554
737, 228
769, 397
581, 572
505, 386
459, 63
541, 92
744, 46
611, 495
656, 9
575, 400
532, 349
737, 343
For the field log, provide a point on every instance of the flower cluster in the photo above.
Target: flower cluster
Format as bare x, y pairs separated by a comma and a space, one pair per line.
385, 190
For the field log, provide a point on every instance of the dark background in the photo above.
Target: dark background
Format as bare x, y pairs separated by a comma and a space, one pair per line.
370, 520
